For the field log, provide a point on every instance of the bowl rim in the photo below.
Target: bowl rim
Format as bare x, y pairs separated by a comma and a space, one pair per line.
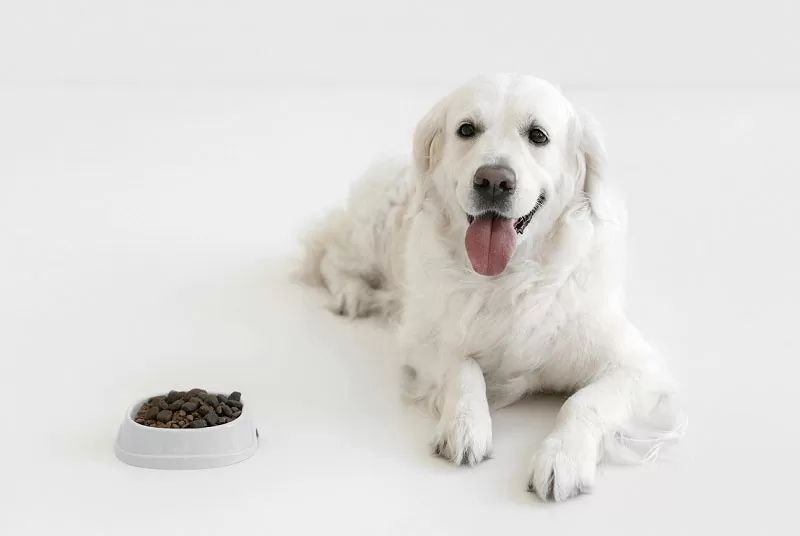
134, 408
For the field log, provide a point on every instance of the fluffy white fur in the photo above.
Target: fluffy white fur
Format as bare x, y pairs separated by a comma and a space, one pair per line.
553, 321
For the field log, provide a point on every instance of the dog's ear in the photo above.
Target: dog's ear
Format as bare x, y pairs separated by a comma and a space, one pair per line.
592, 166
429, 139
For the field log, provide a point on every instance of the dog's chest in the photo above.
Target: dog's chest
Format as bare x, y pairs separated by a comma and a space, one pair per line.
515, 326
507, 328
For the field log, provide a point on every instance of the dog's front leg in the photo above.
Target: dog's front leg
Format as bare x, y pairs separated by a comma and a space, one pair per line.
566, 463
464, 432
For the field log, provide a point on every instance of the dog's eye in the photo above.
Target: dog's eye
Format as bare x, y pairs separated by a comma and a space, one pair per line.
537, 136
466, 130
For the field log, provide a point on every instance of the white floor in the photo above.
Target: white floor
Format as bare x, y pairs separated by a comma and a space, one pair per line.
145, 239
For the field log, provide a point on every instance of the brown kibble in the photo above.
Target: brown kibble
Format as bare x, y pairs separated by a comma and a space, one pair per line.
184, 409
212, 419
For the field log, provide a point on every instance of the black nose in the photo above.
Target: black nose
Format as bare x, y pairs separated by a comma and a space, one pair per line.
495, 183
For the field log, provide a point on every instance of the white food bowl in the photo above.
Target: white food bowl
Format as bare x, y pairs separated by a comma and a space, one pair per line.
186, 448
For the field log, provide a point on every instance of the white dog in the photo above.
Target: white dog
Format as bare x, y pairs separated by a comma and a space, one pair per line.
498, 253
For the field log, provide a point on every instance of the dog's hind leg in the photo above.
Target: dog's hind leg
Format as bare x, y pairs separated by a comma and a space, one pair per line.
353, 294
350, 251
342, 258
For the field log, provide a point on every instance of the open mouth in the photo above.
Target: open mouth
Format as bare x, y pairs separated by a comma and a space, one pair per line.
519, 224
491, 239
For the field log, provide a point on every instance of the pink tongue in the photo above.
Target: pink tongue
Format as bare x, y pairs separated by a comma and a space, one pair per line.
490, 242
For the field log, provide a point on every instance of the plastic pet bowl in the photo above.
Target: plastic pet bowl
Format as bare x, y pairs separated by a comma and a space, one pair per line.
186, 448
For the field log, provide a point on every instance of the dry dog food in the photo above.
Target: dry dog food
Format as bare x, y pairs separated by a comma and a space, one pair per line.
190, 409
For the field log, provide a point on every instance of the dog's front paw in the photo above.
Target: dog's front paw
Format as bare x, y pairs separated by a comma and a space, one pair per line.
564, 466
465, 438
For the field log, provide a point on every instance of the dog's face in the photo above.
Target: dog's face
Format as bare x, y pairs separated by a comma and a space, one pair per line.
504, 154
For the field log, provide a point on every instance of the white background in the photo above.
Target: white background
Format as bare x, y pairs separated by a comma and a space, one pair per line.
157, 160
234, 42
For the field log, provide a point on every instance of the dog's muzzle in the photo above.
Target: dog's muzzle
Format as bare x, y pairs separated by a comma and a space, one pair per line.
521, 223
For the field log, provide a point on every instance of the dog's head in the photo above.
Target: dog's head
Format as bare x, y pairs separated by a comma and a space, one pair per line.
506, 155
